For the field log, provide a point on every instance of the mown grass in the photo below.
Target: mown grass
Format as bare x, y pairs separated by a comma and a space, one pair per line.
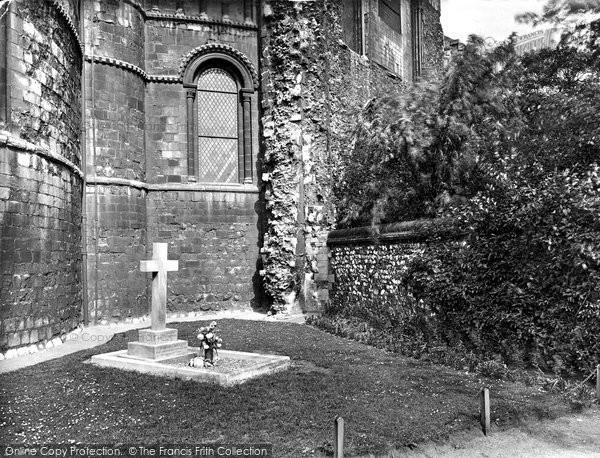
387, 401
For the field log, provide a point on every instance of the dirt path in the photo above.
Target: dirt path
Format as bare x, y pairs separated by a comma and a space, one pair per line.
576, 435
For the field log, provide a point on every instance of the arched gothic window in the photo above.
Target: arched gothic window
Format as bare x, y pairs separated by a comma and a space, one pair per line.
219, 132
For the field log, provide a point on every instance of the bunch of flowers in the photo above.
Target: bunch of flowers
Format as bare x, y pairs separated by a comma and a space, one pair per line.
208, 337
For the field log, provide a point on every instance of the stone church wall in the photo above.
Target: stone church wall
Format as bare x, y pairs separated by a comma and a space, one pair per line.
433, 40
214, 236
212, 230
115, 118
40, 173
132, 167
139, 190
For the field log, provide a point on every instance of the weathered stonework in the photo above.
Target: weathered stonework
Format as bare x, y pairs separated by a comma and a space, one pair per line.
433, 40
139, 189
79, 211
115, 149
313, 86
40, 174
370, 264
214, 237
116, 244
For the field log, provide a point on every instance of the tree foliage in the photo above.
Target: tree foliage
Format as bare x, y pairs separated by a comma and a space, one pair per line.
510, 149
414, 153
557, 11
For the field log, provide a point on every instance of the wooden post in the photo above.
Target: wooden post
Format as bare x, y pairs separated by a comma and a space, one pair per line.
484, 410
598, 382
338, 443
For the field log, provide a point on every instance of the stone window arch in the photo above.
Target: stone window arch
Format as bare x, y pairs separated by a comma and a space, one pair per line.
219, 83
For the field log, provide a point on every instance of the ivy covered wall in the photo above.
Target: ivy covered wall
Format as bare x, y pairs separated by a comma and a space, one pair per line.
313, 86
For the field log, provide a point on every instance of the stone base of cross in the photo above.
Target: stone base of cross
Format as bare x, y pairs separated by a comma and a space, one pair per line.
158, 342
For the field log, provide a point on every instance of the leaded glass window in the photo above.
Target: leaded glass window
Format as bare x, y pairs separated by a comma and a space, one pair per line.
218, 132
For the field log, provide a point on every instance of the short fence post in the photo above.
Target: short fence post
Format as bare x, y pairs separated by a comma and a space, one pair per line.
484, 410
598, 382
338, 445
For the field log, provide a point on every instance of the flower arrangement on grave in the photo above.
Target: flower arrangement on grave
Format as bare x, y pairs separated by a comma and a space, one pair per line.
209, 342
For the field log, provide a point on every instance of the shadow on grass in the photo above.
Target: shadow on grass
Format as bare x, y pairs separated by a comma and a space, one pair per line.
387, 401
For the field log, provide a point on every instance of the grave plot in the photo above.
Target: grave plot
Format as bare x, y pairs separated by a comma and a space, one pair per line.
158, 350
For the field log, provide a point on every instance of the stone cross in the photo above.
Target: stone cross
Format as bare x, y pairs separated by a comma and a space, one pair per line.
159, 265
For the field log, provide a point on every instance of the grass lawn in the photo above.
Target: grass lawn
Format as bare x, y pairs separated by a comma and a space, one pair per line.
386, 400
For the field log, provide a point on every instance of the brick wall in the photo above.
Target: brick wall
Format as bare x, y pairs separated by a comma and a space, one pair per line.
45, 66
118, 31
40, 244
166, 134
40, 179
169, 40
367, 275
4, 50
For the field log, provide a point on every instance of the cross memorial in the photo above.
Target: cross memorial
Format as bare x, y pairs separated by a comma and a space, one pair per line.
158, 342
159, 265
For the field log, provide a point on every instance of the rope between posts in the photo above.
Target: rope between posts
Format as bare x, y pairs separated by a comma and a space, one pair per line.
592, 375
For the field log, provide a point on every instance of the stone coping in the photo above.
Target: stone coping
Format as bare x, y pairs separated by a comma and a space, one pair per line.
407, 231
264, 364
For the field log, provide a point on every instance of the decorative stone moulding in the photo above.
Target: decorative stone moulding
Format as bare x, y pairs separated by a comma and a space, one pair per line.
72, 28
190, 187
179, 16
7, 139
218, 48
137, 5
133, 69
167, 79
157, 15
187, 58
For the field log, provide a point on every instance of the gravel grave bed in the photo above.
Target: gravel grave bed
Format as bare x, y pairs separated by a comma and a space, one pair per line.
223, 365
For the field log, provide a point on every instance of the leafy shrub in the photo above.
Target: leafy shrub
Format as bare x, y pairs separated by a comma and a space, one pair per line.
509, 148
415, 153
492, 369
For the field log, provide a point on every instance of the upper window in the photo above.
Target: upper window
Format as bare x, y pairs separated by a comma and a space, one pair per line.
389, 12
218, 127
